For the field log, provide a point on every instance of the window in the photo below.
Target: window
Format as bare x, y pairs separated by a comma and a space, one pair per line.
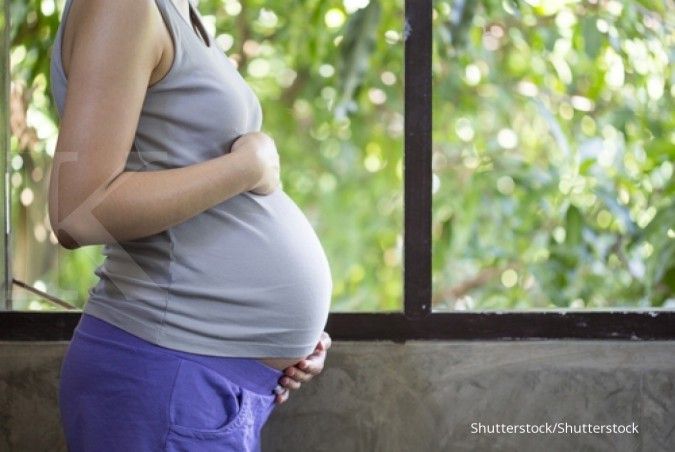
411, 271
553, 155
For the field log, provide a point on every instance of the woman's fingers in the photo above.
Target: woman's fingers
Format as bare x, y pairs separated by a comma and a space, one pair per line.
282, 395
281, 398
304, 370
298, 375
313, 364
290, 383
325, 342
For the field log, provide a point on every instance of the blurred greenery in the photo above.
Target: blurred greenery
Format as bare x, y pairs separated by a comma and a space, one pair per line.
553, 154
553, 146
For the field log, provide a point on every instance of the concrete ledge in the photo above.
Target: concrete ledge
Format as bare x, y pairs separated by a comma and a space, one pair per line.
417, 396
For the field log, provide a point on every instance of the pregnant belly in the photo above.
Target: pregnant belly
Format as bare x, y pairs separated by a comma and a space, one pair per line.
255, 258
281, 363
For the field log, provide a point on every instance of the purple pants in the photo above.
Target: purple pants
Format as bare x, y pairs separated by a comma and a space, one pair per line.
118, 392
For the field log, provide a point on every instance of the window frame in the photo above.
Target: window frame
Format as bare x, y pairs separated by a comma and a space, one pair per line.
417, 320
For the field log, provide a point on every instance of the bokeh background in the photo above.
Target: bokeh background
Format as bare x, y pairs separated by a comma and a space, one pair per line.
553, 146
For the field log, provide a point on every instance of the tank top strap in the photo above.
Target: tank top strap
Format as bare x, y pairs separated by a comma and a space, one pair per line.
169, 13
180, 25
188, 50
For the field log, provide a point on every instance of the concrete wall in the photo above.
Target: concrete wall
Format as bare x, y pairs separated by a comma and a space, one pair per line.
418, 396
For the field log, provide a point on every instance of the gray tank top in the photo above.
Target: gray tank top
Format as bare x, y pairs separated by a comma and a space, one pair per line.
245, 278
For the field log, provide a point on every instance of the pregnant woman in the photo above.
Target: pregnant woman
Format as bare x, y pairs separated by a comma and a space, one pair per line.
214, 292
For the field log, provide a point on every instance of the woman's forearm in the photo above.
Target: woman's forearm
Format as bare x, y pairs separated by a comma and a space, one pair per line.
137, 204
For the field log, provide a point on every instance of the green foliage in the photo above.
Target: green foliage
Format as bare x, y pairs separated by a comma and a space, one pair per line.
554, 149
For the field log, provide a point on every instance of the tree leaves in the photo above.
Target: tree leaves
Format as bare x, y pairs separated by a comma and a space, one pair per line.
356, 49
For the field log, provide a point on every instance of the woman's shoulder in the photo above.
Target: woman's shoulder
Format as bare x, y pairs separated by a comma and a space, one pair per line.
116, 29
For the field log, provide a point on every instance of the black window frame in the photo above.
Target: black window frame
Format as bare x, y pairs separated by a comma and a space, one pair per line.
417, 320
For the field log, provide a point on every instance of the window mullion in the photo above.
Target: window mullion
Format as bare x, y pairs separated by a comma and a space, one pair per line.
417, 155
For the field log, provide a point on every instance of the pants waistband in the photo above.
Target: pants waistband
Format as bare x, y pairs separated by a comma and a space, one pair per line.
249, 373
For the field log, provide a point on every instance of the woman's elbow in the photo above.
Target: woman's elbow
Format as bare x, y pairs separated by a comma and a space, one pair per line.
82, 230
65, 239
76, 223
71, 214
69, 230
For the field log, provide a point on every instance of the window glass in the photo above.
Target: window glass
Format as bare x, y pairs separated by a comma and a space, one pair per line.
553, 154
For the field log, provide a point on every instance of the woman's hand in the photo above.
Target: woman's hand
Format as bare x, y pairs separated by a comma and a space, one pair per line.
260, 151
304, 370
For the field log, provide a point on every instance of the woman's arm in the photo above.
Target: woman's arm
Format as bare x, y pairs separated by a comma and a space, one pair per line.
116, 49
